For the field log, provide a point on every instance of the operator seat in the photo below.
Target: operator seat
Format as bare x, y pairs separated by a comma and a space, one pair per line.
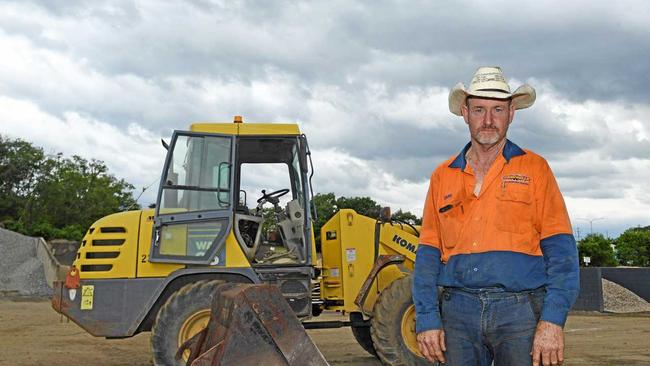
291, 228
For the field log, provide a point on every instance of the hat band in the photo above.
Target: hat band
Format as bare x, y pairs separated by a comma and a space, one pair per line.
494, 90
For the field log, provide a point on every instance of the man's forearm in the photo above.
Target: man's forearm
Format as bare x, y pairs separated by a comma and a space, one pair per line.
425, 290
563, 277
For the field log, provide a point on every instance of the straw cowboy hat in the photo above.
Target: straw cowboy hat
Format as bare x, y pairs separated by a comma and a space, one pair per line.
489, 82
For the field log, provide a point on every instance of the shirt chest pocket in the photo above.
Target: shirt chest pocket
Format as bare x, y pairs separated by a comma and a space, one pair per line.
452, 219
514, 209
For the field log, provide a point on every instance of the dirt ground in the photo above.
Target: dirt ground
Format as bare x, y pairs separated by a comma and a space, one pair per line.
31, 333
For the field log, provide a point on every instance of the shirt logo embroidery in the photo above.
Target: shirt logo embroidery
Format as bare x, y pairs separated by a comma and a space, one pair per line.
515, 178
447, 196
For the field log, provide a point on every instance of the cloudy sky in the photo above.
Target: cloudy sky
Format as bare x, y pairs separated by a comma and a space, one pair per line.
367, 82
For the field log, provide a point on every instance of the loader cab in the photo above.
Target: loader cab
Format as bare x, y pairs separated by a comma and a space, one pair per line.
270, 216
254, 185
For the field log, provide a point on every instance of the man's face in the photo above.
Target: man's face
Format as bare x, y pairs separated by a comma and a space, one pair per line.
488, 119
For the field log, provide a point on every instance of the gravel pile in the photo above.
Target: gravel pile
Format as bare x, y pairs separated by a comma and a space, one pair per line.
618, 299
21, 272
65, 251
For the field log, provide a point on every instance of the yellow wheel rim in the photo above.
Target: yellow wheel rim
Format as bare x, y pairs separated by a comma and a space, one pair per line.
408, 330
192, 325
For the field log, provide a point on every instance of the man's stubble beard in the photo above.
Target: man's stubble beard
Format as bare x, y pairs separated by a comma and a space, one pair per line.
488, 137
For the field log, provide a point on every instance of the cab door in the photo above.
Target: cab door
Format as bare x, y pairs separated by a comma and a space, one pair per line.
194, 208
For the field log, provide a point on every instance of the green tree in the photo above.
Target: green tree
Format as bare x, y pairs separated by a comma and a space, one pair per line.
76, 191
362, 205
325, 208
53, 196
633, 247
20, 165
327, 205
270, 222
406, 216
598, 249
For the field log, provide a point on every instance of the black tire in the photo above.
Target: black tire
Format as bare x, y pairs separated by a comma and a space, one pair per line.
190, 300
363, 337
391, 313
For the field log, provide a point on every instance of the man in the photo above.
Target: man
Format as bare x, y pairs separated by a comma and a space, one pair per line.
496, 236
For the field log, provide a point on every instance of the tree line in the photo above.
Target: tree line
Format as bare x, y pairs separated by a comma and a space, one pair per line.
631, 248
53, 196
327, 204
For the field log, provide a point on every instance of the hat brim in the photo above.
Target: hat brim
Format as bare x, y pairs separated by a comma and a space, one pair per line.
522, 98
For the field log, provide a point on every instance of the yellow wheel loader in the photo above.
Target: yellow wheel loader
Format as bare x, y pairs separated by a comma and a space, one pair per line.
214, 224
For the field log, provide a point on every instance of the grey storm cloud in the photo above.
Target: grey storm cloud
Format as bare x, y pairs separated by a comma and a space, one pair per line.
627, 148
579, 170
593, 188
538, 131
402, 141
368, 79
421, 43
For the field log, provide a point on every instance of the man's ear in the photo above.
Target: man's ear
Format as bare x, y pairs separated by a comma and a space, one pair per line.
465, 112
511, 113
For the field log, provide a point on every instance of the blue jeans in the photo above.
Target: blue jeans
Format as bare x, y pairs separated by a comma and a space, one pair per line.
489, 324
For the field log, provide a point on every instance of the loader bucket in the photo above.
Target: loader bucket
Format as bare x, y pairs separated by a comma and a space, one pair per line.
251, 325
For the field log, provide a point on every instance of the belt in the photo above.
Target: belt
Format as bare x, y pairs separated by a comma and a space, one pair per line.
494, 292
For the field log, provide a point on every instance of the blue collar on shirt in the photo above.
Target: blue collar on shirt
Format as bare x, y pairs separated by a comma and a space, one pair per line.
510, 150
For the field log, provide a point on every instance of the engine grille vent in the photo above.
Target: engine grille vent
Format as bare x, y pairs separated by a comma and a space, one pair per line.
112, 229
102, 255
96, 267
100, 249
103, 242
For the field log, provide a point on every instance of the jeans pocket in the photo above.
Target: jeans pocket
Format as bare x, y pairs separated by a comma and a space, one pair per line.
444, 298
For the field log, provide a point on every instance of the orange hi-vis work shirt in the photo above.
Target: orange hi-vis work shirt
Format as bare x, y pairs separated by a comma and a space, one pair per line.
514, 235
519, 204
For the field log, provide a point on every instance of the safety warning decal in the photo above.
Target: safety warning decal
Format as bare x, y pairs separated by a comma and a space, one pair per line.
351, 254
87, 294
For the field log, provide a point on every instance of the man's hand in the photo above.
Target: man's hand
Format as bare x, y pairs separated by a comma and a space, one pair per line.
548, 344
432, 345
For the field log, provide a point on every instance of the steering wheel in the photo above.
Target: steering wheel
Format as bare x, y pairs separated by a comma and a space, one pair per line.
276, 194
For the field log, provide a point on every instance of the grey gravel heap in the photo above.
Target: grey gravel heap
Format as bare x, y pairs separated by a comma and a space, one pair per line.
65, 251
618, 299
21, 272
